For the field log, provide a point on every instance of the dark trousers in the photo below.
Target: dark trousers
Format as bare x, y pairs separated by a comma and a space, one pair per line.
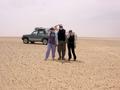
71, 49
61, 49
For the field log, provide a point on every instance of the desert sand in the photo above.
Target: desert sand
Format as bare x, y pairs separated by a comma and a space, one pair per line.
22, 66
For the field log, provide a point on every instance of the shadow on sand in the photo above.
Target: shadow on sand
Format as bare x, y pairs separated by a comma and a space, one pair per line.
66, 61
35, 44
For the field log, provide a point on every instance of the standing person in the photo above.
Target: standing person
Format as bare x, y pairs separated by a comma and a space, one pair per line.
52, 42
61, 43
71, 44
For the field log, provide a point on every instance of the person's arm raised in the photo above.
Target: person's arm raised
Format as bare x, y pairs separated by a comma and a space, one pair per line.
55, 27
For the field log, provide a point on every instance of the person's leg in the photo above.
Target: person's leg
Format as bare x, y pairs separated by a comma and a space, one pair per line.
73, 52
53, 51
69, 52
59, 50
63, 50
48, 51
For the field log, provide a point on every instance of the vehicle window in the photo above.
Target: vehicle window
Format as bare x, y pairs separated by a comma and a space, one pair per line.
41, 33
35, 33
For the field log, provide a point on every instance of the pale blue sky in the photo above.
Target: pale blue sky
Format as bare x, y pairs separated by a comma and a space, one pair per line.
86, 17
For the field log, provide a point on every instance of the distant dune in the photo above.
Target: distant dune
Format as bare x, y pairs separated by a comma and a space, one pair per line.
22, 66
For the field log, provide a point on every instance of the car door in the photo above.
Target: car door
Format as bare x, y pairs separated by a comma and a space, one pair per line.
41, 35
33, 36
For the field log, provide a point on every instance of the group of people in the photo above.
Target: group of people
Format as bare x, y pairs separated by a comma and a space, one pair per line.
57, 37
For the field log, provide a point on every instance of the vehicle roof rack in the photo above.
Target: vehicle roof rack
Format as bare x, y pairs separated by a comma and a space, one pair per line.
39, 28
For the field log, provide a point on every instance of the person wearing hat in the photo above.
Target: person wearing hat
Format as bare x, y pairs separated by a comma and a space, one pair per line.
71, 44
52, 42
61, 42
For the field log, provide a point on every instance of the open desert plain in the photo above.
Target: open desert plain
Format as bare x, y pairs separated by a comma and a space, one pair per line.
22, 66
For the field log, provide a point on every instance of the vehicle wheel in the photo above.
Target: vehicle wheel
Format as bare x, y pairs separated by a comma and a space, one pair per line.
32, 42
45, 41
25, 41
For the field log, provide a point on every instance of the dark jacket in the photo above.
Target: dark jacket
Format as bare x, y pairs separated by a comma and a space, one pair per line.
61, 35
71, 40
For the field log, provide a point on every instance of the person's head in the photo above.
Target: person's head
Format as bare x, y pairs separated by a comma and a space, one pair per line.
60, 27
70, 32
52, 29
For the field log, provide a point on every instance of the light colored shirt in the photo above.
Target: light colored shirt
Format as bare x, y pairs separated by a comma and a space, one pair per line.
56, 37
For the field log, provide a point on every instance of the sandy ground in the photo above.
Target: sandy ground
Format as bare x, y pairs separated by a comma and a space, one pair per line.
22, 66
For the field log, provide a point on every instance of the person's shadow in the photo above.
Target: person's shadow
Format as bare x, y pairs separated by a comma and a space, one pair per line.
66, 61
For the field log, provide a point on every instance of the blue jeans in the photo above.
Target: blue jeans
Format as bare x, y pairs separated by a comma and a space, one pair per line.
49, 48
